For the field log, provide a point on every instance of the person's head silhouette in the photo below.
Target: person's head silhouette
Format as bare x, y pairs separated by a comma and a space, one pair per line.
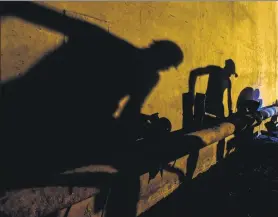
230, 68
256, 94
164, 54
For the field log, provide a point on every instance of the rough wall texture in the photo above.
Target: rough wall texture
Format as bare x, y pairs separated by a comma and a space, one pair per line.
207, 32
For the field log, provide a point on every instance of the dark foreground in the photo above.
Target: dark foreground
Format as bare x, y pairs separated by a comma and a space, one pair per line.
243, 185
249, 189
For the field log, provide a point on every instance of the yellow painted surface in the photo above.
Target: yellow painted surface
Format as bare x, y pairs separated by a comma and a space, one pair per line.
207, 32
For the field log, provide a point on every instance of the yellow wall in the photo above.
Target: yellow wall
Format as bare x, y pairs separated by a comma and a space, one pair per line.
208, 33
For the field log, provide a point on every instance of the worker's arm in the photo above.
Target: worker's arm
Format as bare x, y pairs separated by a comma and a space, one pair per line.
130, 118
40, 14
194, 74
230, 106
132, 110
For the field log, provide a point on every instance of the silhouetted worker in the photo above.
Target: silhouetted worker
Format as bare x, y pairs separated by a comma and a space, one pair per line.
140, 79
72, 92
218, 82
159, 56
247, 95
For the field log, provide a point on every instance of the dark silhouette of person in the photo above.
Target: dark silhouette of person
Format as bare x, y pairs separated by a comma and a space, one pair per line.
159, 56
246, 95
218, 82
70, 95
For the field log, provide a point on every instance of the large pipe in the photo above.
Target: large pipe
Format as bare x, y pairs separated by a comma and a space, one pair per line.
235, 124
268, 112
207, 136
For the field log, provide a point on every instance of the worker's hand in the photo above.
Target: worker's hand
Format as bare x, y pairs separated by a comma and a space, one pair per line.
191, 98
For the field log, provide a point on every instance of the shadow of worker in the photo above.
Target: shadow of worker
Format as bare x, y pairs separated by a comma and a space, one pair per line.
218, 81
69, 96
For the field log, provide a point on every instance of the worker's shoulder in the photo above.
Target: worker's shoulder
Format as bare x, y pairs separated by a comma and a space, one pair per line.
147, 77
214, 67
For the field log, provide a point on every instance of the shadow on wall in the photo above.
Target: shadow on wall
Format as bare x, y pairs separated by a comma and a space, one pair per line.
59, 114
212, 101
208, 107
69, 97
218, 81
